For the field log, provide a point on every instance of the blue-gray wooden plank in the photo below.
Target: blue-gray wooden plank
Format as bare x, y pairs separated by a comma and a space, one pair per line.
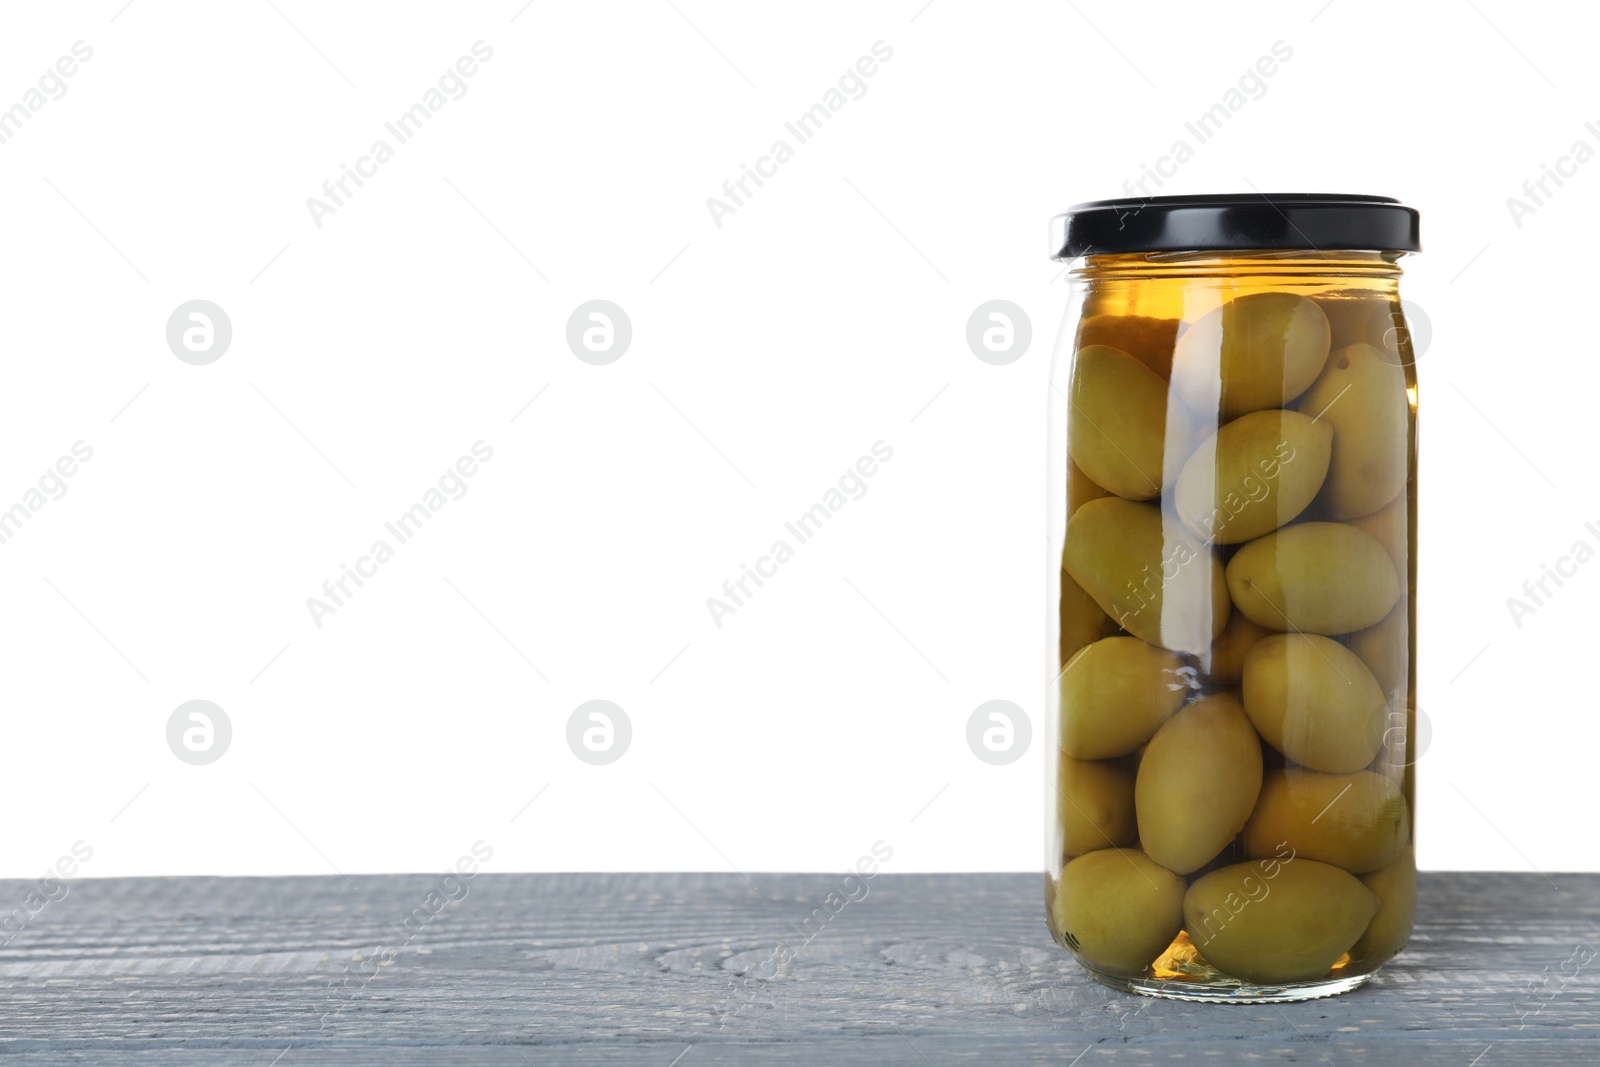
651, 969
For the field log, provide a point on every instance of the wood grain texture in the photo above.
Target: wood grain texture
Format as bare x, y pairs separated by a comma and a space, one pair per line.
650, 969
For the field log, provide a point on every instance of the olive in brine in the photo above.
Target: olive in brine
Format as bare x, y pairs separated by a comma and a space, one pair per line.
1359, 821
1252, 476
1118, 908
1254, 352
1356, 317
1094, 806
1081, 488
1386, 648
1313, 699
1115, 694
1117, 429
1362, 395
1082, 621
1197, 783
1274, 921
1388, 527
1315, 577
1148, 573
1396, 889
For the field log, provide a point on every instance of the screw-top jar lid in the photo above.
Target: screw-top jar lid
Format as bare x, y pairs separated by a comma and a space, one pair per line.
1236, 221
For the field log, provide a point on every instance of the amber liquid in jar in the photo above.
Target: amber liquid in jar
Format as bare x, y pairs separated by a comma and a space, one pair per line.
1234, 517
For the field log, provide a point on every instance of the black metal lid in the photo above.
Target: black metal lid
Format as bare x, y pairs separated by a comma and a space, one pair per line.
1236, 221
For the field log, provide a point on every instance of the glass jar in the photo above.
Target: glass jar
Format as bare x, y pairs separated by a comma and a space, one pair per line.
1232, 528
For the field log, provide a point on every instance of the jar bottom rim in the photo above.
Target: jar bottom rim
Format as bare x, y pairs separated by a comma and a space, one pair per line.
1243, 993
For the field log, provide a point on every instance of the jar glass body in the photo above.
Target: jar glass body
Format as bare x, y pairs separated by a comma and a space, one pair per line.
1232, 573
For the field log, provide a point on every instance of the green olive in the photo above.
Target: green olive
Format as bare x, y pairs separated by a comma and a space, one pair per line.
1115, 694
1197, 783
1252, 476
1118, 428
1082, 621
1118, 909
1094, 805
1314, 577
1386, 648
1396, 889
1356, 316
1312, 699
1145, 571
1362, 395
1278, 920
1388, 526
1081, 488
1254, 352
1359, 821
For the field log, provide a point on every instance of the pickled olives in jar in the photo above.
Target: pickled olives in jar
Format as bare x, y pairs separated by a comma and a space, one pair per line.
1233, 567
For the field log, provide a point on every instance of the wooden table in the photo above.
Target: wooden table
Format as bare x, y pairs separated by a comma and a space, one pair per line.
651, 969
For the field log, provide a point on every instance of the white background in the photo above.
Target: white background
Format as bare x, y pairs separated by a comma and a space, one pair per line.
768, 354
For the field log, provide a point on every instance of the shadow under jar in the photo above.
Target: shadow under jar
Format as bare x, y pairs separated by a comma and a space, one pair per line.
1232, 532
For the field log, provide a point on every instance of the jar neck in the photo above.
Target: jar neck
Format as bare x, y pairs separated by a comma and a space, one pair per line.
1301, 265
